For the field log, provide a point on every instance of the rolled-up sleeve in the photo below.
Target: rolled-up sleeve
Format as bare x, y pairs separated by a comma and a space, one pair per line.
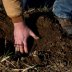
13, 9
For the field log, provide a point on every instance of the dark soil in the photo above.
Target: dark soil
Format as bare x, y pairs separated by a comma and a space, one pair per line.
51, 53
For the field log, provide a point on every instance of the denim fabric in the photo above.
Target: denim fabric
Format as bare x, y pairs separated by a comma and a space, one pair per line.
23, 3
63, 8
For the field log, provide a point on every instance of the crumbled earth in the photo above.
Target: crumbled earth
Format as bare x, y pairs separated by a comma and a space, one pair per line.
51, 53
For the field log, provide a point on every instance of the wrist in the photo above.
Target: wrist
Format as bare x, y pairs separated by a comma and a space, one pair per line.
19, 25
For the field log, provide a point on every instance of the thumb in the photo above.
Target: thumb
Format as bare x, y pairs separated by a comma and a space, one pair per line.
33, 35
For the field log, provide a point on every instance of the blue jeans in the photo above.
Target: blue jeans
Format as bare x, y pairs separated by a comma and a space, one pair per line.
23, 3
63, 8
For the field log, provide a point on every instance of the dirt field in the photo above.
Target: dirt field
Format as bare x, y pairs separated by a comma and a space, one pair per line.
51, 53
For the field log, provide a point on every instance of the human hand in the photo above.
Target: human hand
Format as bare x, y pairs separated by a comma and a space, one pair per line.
21, 34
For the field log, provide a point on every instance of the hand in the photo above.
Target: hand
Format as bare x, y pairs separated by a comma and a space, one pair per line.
21, 33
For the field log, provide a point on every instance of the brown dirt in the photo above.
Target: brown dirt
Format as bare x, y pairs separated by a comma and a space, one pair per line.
51, 53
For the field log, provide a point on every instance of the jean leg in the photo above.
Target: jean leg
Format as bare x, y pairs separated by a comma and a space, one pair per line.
63, 8
23, 3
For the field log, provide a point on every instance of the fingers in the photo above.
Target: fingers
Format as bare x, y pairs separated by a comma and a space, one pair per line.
19, 46
16, 48
33, 35
16, 45
25, 46
21, 49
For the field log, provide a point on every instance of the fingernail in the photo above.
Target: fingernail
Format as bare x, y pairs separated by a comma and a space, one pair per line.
22, 52
26, 52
